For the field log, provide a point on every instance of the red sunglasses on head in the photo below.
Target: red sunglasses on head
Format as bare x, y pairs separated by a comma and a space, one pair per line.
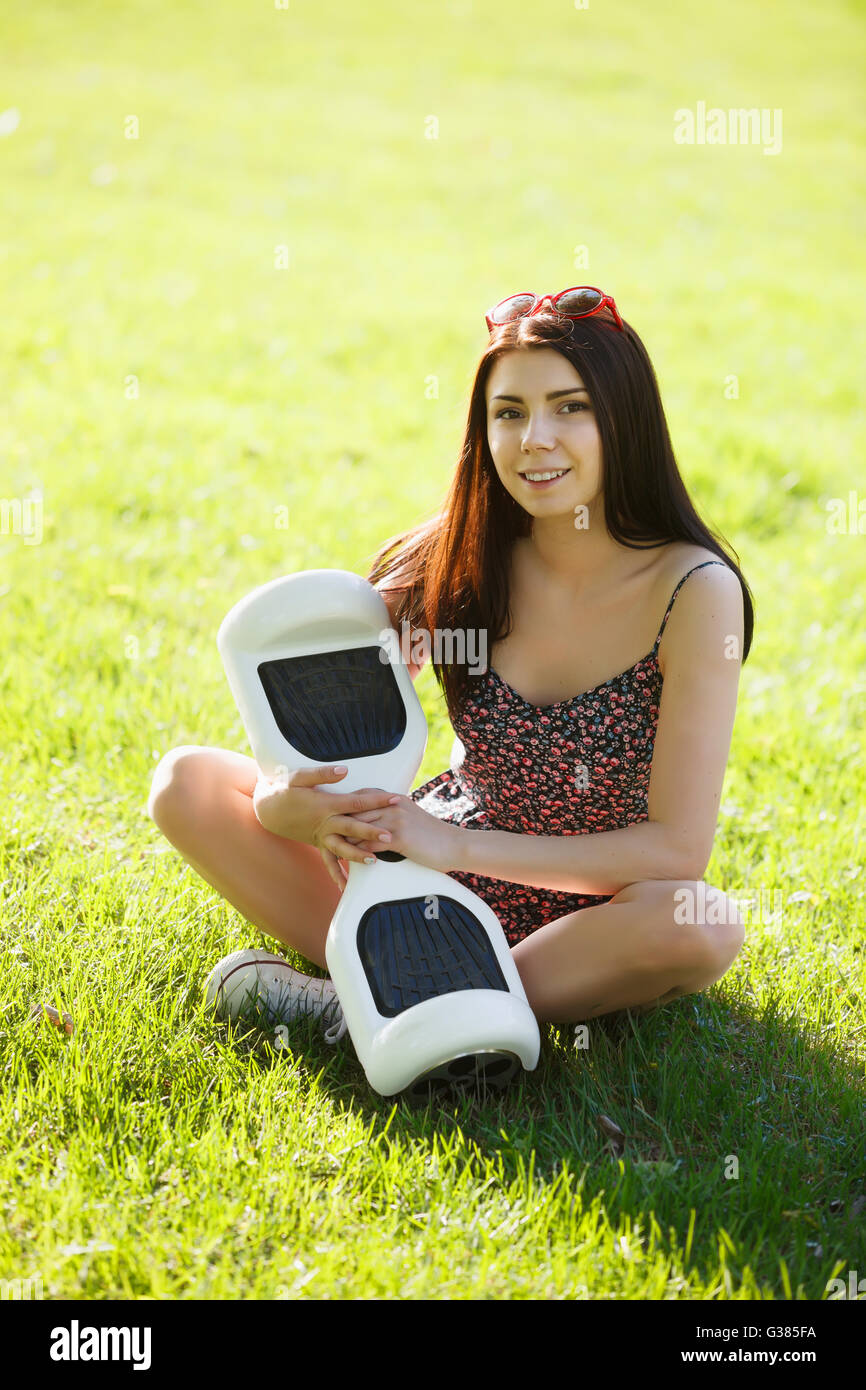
578, 302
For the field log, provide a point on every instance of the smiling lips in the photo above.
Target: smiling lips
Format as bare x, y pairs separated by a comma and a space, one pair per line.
540, 478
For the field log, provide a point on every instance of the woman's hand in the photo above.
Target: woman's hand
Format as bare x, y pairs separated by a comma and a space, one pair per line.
297, 808
417, 834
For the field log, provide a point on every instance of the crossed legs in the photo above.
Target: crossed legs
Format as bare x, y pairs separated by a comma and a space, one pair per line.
627, 953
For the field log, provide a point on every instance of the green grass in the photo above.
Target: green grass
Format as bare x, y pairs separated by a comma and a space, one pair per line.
153, 1152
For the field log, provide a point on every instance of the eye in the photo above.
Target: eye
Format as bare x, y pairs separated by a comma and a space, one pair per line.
511, 410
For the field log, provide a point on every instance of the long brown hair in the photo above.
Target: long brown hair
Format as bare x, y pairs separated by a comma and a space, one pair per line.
452, 570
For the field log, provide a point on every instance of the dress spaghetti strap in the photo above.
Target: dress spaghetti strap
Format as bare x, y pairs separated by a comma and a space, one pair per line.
676, 591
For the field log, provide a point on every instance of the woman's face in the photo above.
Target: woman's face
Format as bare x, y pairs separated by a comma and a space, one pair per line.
548, 426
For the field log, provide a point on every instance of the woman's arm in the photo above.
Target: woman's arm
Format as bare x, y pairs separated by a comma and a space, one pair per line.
600, 864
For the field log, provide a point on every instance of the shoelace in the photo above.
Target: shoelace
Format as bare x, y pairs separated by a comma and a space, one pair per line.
309, 1000
339, 1027
337, 1031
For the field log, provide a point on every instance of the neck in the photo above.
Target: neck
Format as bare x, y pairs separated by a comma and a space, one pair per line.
574, 561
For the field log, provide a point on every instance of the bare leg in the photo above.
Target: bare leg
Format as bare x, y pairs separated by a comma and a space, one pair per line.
629, 953
625, 954
201, 799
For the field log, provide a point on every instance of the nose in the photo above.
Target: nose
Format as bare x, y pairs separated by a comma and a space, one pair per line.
536, 437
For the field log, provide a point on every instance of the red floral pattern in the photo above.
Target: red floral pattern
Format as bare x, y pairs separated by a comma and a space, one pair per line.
574, 768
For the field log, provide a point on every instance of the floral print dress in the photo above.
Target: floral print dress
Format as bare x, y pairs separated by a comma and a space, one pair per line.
574, 768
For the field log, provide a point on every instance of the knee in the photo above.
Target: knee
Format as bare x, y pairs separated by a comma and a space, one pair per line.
689, 926
727, 938
722, 930
176, 781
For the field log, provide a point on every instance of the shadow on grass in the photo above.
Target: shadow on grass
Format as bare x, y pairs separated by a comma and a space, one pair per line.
709, 1117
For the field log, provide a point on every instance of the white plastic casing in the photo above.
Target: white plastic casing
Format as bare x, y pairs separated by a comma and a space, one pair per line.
335, 610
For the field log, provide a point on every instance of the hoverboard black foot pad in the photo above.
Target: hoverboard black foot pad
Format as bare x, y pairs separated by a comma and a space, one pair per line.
333, 705
418, 948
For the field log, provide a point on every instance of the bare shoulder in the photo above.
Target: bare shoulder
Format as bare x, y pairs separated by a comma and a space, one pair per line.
673, 563
681, 557
708, 607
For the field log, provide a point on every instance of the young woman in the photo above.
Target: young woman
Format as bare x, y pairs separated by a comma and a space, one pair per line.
587, 772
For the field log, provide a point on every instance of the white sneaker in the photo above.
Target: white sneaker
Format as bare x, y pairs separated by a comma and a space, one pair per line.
254, 982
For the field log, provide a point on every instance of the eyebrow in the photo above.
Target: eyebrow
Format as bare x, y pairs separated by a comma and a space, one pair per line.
551, 395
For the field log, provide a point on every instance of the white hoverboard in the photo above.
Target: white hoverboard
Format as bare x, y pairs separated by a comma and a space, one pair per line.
422, 969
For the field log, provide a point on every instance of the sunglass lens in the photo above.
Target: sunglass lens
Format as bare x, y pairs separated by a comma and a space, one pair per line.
513, 308
578, 302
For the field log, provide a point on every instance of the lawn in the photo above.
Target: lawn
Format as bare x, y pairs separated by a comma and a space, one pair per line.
245, 259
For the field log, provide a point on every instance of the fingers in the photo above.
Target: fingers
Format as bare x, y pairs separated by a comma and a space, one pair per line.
313, 776
367, 799
346, 850
363, 831
334, 867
